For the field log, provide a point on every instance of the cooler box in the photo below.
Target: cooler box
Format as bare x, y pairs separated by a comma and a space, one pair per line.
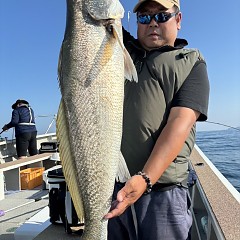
57, 192
45, 176
48, 147
55, 177
61, 209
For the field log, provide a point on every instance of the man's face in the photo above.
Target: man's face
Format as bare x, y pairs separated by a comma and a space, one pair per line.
155, 35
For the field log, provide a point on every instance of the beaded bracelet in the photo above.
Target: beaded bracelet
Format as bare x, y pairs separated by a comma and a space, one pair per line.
147, 180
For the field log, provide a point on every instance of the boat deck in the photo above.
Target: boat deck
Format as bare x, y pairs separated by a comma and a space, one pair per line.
57, 233
223, 199
20, 206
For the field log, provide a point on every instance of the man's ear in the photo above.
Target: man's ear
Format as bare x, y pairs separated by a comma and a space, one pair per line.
179, 20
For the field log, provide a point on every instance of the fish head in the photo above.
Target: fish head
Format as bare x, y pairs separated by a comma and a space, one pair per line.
104, 9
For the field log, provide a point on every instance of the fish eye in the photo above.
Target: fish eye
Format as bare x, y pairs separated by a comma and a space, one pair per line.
109, 28
109, 25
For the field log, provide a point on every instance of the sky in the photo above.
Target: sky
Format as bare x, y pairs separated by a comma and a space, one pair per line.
31, 36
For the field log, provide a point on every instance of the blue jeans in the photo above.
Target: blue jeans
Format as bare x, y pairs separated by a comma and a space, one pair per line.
161, 215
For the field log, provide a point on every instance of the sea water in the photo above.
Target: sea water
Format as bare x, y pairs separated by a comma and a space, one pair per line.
222, 148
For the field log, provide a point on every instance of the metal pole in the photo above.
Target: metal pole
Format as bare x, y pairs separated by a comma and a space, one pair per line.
54, 118
129, 20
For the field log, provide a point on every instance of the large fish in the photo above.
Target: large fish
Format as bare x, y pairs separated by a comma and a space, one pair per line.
93, 65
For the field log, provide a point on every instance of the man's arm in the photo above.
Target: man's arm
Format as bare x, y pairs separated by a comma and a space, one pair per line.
166, 149
170, 141
14, 119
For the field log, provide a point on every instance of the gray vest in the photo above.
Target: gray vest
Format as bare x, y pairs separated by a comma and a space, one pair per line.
147, 105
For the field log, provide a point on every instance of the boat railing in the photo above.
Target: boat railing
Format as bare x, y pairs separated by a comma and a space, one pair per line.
214, 200
8, 147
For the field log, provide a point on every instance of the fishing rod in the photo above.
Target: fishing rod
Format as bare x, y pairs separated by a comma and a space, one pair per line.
221, 124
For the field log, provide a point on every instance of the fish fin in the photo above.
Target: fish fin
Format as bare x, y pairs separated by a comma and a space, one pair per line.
66, 160
123, 173
130, 72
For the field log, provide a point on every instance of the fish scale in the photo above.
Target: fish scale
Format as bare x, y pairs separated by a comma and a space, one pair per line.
89, 122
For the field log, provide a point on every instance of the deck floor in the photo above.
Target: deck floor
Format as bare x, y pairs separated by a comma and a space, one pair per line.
15, 216
22, 206
57, 233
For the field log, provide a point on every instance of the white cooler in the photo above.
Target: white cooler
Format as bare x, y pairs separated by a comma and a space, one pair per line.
45, 178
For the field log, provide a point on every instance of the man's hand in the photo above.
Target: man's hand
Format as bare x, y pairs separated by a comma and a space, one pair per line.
129, 194
5, 128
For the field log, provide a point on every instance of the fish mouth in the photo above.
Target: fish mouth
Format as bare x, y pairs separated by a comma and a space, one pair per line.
108, 21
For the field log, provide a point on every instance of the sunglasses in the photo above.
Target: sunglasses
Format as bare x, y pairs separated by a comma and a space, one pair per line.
161, 17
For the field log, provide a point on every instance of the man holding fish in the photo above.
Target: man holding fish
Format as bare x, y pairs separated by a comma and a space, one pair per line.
169, 94
160, 112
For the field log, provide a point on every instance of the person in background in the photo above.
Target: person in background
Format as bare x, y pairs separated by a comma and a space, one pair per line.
25, 129
160, 112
